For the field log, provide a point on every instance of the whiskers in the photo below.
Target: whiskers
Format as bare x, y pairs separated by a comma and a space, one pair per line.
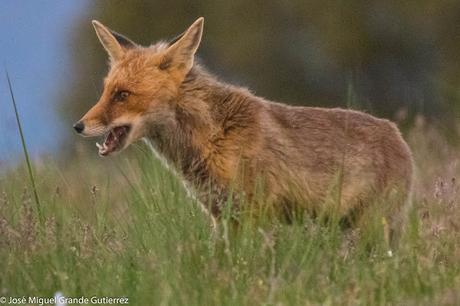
96, 130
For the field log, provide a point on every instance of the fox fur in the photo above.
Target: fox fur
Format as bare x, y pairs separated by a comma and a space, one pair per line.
223, 140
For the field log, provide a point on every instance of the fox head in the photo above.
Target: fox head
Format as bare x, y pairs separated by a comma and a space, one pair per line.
139, 87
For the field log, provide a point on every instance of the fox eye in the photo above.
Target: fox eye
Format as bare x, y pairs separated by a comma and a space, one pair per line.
121, 95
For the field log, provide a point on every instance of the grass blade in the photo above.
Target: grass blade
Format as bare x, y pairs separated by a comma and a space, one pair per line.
24, 148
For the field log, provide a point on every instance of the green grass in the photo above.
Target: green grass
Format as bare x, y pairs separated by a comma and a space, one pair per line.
24, 146
136, 234
124, 227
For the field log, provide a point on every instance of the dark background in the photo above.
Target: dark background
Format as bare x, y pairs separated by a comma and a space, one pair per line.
399, 59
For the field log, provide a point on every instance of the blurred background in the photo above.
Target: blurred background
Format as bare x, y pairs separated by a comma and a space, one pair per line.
400, 59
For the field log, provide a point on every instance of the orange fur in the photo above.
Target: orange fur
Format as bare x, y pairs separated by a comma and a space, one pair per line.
222, 138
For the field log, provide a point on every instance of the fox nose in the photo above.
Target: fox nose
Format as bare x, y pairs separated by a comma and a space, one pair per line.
79, 127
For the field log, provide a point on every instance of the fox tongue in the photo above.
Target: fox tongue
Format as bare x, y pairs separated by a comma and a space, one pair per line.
111, 141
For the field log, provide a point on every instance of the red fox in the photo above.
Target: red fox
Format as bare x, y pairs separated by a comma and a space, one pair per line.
223, 140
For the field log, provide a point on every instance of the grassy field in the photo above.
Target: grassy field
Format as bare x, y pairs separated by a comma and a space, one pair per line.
124, 227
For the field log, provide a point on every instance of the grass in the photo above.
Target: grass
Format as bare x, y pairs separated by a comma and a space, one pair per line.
125, 227
24, 146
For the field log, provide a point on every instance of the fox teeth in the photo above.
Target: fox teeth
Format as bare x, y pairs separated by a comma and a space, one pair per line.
98, 146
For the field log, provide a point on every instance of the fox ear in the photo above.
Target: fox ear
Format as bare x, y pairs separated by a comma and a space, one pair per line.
181, 50
115, 44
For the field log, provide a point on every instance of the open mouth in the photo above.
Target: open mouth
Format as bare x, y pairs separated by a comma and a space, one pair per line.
114, 140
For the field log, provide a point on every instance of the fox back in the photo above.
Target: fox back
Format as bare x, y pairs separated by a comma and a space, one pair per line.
223, 141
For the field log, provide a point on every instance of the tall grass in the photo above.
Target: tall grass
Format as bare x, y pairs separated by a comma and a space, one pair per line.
24, 146
124, 227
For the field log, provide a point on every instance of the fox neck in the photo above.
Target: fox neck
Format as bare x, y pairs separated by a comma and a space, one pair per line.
185, 141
